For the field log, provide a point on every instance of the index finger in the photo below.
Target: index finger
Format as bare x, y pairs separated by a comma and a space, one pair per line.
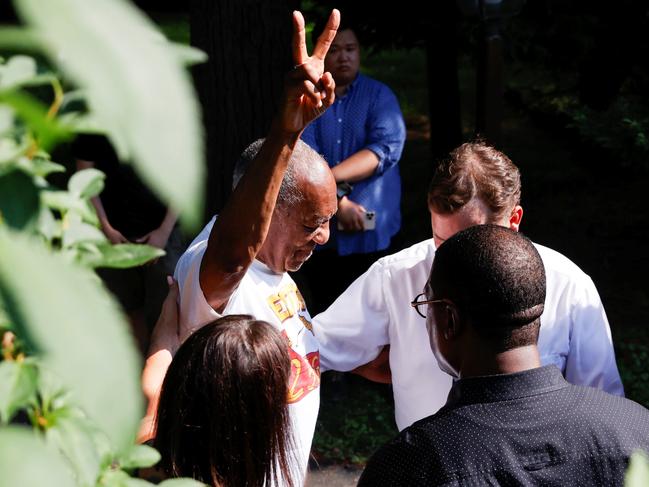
300, 55
328, 34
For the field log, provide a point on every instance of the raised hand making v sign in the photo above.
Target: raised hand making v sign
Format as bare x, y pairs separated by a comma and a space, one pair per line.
277, 214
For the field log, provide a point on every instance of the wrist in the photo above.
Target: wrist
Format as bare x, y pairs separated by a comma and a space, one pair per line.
343, 189
279, 132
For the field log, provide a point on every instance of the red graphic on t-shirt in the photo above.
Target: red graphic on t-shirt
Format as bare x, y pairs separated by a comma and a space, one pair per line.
305, 374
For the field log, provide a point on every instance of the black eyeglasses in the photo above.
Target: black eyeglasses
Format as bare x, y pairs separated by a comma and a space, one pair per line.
418, 301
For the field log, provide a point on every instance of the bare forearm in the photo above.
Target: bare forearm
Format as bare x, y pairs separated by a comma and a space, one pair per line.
169, 221
361, 165
242, 226
152, 378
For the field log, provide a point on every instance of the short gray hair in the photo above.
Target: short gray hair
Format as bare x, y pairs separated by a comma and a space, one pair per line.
290, 193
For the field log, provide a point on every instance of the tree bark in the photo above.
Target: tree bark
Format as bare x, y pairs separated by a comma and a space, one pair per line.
443, 83
248, 44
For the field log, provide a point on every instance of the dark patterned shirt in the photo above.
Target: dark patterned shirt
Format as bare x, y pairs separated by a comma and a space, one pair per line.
528, 428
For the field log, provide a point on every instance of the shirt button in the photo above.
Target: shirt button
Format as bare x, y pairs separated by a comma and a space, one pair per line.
338, 141
340, 120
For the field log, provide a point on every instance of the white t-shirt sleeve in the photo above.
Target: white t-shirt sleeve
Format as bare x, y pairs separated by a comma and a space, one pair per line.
354, 329
194, 308
591, 358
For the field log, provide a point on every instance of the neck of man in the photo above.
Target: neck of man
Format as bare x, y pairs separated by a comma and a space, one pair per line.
266, 256
480, 359
341, 91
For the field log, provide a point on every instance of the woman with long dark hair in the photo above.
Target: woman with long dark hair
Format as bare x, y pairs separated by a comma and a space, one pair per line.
223, 414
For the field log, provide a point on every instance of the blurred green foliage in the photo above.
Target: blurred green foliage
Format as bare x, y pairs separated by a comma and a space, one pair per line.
72, 372
585, 67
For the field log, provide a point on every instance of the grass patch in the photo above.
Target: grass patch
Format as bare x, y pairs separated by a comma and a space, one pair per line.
356, 418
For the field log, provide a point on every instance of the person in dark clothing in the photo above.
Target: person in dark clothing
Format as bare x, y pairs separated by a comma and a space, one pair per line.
507, 421
129, 212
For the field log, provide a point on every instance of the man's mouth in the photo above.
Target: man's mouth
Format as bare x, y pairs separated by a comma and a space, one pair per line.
303, 254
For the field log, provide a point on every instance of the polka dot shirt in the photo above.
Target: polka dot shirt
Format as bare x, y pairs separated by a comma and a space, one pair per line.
528, 428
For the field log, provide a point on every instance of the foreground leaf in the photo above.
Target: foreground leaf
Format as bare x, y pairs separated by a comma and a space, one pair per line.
47, 130
18, 381
136, 87
122, 256
80, 329
139, 456
19, 200
74, 438
87, 183
181, 483
25, 460
638, 473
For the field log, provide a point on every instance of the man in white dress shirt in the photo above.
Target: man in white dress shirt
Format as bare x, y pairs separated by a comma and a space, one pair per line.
476, 185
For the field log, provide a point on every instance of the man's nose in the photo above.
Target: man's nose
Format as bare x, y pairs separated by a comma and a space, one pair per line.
322, 235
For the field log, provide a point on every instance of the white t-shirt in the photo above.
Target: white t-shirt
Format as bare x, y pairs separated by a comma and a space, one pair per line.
273, 298
375, 311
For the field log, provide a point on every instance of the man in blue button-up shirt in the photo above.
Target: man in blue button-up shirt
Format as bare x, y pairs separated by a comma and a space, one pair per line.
361, 136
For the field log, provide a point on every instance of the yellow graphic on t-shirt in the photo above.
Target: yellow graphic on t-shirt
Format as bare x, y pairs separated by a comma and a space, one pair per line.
303, 318
286, 302
289, 302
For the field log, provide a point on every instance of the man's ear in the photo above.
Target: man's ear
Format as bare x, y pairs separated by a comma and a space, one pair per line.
452, 328
515, 218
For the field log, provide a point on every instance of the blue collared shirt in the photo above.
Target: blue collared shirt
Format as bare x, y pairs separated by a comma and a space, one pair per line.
367, 117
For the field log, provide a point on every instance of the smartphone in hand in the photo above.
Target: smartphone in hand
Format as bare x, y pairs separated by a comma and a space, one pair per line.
369, 220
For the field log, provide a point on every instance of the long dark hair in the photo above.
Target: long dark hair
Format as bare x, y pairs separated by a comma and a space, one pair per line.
223, 413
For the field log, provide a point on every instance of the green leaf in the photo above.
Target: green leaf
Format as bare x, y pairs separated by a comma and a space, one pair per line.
128, 71
638, 473
67, 313
25, 460
51, 390
19, 39
74, 438
18, 70
63, 201
122, 256
181, 482
48, 131
43, 167
19, 200
11, 152
18, 382
48, 226
76, 231
188, 55
6, 120
119, 478
87, 183
139, 456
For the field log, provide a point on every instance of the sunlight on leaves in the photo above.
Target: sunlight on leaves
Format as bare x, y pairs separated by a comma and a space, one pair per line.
136, 89
25, 460
65, 310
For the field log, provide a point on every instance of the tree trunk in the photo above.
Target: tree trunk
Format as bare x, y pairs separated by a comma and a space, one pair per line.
248, 44
443, 83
